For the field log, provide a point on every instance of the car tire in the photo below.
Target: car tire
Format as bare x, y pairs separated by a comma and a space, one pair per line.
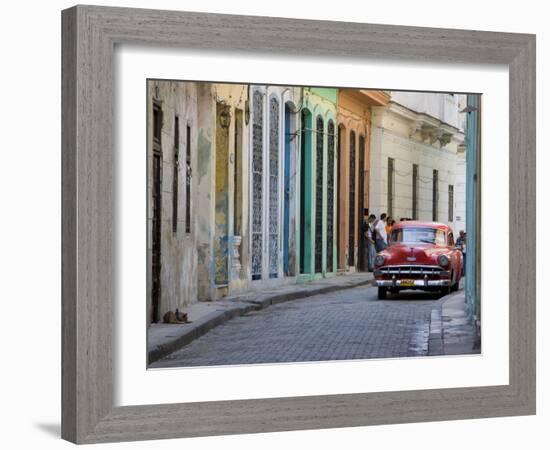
446, 290
382, 292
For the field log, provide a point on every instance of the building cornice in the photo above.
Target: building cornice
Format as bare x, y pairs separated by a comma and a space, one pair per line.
426, 128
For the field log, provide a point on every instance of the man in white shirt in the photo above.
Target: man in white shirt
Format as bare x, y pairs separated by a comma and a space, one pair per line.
381, 237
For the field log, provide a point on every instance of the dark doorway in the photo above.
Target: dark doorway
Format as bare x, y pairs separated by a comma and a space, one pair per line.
319, 163
305, 194
156, 222
351, 241
361, 238
290, 134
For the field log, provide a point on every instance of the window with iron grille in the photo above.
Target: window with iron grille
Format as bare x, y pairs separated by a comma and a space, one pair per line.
390, 185
188, 175
451, 203
319, 196
273, 188
157, 126
237, 177
435, 194
175, 176
330, 196
415, 192
257, 184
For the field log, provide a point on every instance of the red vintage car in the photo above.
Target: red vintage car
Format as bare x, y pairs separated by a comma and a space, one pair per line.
420, 255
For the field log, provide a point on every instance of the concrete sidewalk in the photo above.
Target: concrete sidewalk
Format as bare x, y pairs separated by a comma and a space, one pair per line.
163, 339
451, 331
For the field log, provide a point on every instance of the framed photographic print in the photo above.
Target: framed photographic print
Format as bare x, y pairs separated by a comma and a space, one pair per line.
265, 229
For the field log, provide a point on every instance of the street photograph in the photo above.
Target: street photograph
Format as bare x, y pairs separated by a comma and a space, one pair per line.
294, 224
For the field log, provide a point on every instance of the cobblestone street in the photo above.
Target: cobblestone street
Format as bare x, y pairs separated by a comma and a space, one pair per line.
346, 324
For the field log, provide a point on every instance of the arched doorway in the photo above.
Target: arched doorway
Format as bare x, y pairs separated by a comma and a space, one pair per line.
290, 139
305, 194
341, 200
330, 196
351, 233
319, 213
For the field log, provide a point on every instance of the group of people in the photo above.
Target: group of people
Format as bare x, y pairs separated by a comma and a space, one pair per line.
377, 232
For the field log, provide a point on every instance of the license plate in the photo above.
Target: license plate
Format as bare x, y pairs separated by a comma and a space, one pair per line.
407, 283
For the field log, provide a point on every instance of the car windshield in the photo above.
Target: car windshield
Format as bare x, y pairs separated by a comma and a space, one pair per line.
418, 235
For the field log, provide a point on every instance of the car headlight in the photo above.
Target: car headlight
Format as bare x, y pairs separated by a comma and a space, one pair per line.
443, 261
379, 260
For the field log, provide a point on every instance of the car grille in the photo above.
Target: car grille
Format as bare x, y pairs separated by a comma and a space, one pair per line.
412, 270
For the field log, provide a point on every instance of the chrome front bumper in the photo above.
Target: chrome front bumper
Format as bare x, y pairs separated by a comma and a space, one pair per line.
417, 283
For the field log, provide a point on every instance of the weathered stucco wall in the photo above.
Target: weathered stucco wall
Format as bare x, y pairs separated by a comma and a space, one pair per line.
222, 190
178, 262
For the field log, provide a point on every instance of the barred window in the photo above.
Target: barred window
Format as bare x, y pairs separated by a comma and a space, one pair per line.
273, 188
175, 176
257, 184
451, 203
330, 196
415, 192
319, 196
435, 194
188, 175
391, 177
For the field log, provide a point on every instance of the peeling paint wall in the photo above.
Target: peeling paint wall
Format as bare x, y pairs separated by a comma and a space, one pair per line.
178, 249
205, 205
222, 191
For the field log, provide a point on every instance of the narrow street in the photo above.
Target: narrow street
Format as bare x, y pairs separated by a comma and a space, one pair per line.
346, 324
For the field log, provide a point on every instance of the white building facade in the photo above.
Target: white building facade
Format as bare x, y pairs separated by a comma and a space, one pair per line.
418, 158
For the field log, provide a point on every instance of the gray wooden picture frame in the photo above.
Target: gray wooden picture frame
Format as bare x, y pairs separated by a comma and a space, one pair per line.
90, 34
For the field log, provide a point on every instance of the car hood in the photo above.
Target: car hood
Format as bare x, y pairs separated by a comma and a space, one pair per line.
413, 253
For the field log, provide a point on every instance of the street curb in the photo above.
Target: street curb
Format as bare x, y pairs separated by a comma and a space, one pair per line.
435, 339
285, 297
197, 329
201, 326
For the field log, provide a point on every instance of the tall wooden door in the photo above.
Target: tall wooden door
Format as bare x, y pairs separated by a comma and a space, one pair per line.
156, 222
351, 232
361, 235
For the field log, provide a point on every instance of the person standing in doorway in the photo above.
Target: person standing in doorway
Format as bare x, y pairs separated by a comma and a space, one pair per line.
461, 245
370, 242
380, 235
389, 223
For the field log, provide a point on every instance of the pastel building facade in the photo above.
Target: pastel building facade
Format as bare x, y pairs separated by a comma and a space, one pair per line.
354, 173
418, 158
316, 236
254, 186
